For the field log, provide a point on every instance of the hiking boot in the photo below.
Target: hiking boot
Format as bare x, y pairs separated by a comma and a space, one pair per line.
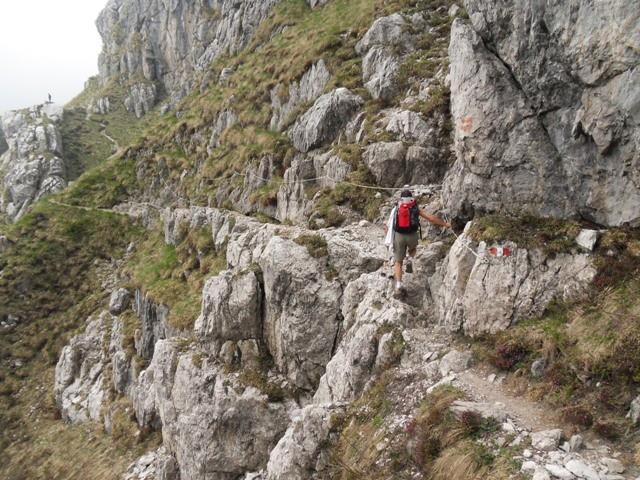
409, 268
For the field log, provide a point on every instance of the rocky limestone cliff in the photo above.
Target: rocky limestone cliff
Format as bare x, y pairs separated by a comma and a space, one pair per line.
157, 47
546, 102
299, 362
33, 164
289, 335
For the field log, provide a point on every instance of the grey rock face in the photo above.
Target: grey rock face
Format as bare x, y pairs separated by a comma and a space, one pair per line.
310, 86
32, 166
324, 120
119, 301
545, 103
546, 440
381, 47
99, 106
141, 99
386, 160
153, 317
231, 307
327, 169
302, 311
295, 457
394, 165
486, 294
166, 42
156, 465
79, 388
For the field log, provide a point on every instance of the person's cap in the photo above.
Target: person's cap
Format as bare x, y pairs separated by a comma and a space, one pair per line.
406, 193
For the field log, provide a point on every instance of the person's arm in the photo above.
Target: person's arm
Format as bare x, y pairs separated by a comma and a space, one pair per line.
433, 219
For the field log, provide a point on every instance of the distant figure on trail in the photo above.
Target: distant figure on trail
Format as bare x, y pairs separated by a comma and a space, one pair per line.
402, 234
49, 99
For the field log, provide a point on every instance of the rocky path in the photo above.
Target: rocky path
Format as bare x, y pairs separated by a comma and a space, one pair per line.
132, 210
486, 387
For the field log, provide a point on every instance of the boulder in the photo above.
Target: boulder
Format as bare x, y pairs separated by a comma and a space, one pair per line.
485, 410
540, 474
480, 293
455, 362
409, 127
322, 123
587, 239
613, 465
231, 307
387, 162
582, 470
558, 471
546, 440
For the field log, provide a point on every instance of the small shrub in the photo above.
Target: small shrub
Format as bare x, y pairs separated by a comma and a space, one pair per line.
316, 245
578, 415
509, 353
608, 429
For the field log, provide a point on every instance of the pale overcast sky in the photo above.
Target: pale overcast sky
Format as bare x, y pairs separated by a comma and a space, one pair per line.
46, 46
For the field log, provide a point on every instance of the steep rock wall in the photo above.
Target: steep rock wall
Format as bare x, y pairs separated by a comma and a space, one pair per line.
546, 105
157, 46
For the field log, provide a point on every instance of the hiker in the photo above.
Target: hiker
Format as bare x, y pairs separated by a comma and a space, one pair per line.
49, 98
402, 233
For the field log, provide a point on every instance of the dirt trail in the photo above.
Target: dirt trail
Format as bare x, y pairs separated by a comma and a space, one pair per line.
116, 145
527, 414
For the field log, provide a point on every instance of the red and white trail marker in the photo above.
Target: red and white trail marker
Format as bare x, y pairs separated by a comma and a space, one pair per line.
500, 251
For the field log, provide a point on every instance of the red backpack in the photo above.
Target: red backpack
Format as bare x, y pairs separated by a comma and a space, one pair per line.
407, 216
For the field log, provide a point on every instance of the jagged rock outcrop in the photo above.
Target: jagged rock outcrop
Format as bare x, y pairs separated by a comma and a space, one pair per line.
381, 47
33, 164
322, 123
307, 89
141, 98
479, 293
214, 425
298, 455
545, 103
79, 387
153, 318
165, 43
101, 106
226, 119
302, 311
